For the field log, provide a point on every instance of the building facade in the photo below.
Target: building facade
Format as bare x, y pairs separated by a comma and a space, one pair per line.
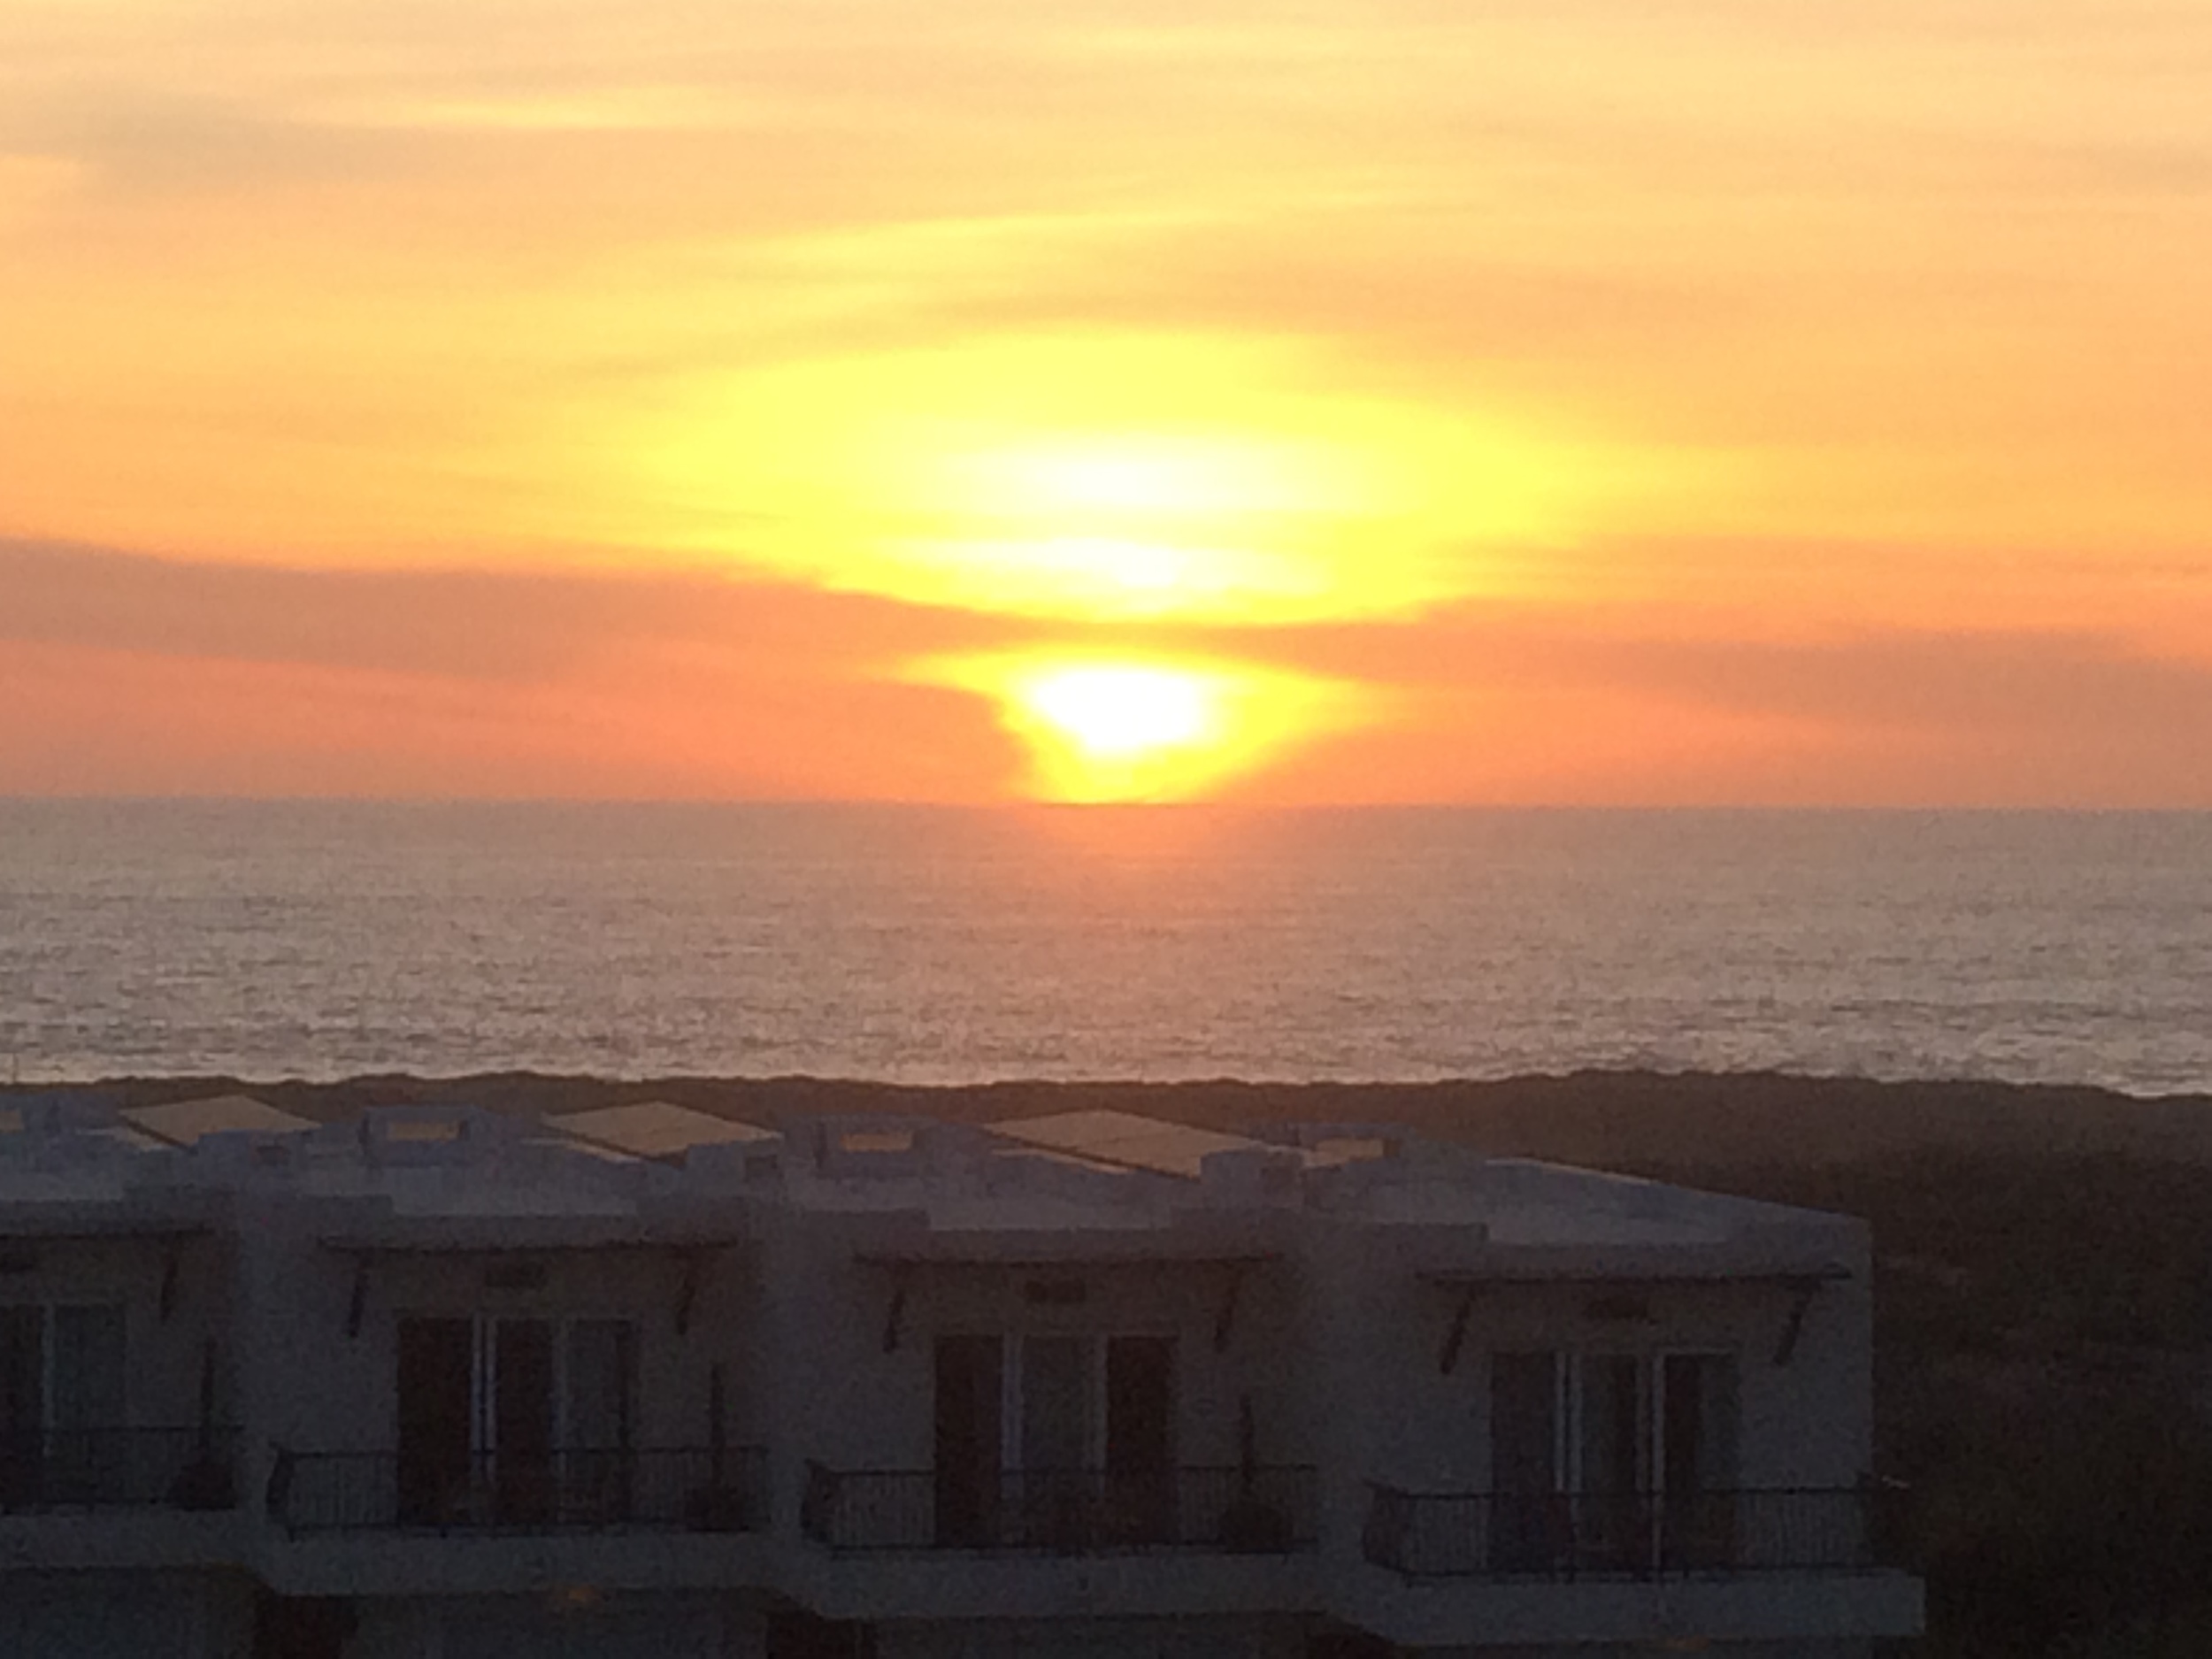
437, 1382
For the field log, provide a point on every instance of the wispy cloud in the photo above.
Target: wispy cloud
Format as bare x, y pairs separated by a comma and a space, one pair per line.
516, 625
473, 682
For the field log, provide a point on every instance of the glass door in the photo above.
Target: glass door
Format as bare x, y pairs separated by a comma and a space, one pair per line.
1529, 1525
521, 1402
88, 1450
970, 1416
598, 1474
1614, 1446
1140, 1488
22, 1404
1697, 1459
1053, 1448
436, 1401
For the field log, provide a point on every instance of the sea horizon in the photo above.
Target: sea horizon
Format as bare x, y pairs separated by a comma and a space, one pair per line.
326, 937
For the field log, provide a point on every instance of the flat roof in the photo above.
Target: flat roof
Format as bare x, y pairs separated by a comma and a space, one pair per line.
186, 1122
654, 1128
1126, 1139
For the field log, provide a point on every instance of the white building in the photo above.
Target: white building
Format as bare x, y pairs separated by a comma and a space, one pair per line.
641, 1381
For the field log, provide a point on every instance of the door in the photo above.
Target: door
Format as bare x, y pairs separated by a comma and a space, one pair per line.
598, 1470
522, 1421
91, 1456
1697, 1461
22, 1404
1140, 1439
1053, 1451
1613, 1529
1528, 1530
436, 1395
970, 1412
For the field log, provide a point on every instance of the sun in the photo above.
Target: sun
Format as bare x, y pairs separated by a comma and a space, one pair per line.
1115, 713
1101, 728
1126, 731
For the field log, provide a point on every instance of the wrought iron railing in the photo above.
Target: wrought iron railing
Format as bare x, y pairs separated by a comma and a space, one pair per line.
1559, 1535
1262, 1510
713, 1489
106, 1467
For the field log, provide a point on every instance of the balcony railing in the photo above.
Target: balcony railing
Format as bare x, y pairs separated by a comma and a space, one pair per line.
1259, 1510
112, 1469
707, 1489
1565, 1535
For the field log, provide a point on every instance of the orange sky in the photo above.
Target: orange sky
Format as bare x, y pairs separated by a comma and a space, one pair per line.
1763, 401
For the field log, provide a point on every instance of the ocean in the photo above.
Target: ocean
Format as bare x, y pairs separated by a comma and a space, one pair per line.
938, 945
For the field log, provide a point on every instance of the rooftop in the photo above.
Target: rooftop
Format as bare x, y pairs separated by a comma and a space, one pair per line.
187, 1123
1111, 1183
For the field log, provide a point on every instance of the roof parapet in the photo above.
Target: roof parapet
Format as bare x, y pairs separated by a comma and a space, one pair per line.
1253, 1175
59, 1131
411, 1135
755, 1165
881, 1145
1013, 1171
1346, 1142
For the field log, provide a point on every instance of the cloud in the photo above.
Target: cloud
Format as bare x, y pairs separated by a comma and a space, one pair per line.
123, 673
457, 280
471, 625
2047, 685
2048, 682
133, 142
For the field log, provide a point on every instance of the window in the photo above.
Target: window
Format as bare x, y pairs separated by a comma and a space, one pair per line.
1611, 1459
876, 1140
62, 1437
61, 1367
515, 1420
1054, 1439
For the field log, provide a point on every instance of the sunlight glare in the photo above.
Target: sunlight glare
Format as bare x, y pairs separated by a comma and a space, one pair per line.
1112, 712
1108, 729
1108, 478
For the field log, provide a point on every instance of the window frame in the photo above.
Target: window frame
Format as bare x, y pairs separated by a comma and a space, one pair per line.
1096, 1401
483, 1414
49, 1309
1569, 1414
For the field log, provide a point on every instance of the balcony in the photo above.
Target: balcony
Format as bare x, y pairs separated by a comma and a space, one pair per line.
75, 1470
695, 1489
1259, 1510
1553, 1536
